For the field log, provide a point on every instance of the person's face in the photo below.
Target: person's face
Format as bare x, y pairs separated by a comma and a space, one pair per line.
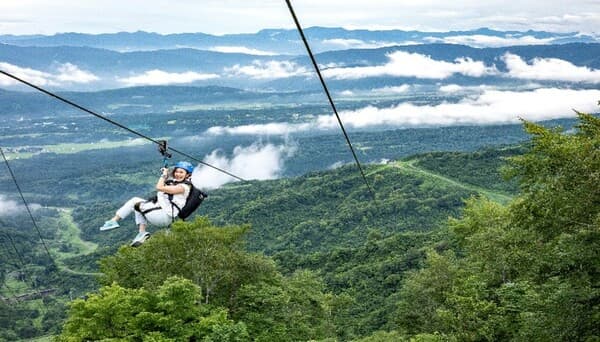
179, 174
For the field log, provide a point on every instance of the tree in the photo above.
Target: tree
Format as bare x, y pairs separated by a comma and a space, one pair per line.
213, 258
527, 271
244, 286
171, 313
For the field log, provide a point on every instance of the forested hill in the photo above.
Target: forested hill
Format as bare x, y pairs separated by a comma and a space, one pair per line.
290, 218
323, 210
315, 258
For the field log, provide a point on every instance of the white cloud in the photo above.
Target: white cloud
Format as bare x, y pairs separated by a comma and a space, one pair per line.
268, 70
479, 40
347, 93
392, 90
488, 107
549, 69
67, 73
31, 75
256, 161
404, 64
491, 107
71, 73
159, 77
356, 43
273, 128
9, 207
241, 49
451, 88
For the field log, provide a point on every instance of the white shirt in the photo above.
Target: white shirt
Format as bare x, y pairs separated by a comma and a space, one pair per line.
178, 199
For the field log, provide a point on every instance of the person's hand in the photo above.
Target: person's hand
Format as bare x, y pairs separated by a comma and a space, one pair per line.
165, 172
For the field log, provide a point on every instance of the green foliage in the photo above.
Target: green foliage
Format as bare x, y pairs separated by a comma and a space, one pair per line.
527, 271
322, 221
365, 278
383, 336
481, 168
213, 258
170, 313
248, 286
324, 210
296, 309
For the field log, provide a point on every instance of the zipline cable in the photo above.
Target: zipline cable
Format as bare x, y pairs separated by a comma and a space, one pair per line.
314, 62
33, 282
27, 206
69, 102
14, 247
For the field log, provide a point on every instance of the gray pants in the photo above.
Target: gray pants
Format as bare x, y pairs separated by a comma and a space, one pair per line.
158, 217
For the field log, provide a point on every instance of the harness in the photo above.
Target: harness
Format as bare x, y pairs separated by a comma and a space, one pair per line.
154, 200
164, 151
193, 200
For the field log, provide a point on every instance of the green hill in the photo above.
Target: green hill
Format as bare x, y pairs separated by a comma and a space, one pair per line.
324, 221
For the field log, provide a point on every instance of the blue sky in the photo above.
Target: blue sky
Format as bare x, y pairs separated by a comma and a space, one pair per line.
238, 16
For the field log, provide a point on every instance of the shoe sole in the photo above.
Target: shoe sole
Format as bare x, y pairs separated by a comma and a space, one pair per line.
137, 243
102, 229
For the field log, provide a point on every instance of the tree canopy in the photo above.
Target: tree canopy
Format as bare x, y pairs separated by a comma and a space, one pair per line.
526, 271
196, 281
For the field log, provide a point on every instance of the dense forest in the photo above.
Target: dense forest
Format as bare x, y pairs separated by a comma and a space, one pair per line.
452, 249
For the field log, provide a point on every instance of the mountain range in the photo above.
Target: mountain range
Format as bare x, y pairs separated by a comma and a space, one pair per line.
92, 68
282, 41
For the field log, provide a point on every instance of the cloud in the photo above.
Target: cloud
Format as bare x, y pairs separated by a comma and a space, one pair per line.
71, 73
241, 49
159, 77
488, 107
268, 70
256, 161
31, 75
549, 69
451, 88
392, 90
356, 43
404, 64
273, 128
10, 208
67, 73
479, 40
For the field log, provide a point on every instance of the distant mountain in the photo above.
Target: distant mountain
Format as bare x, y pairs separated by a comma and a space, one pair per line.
103, 61
157, 97
280, 41
61, 66
580, 54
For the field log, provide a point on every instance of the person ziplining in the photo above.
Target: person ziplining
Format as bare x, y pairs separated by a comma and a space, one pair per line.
160, 210
176, 197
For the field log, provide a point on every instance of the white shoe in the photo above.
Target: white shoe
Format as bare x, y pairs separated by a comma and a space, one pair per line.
110, 224
140, 238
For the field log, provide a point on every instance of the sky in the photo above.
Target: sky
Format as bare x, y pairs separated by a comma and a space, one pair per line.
238, 16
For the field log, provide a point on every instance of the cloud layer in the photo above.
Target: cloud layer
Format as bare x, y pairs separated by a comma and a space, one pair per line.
256, 161
488, 107
340, 43
479, 40
392, 90
268, 70
65, 73
160, 77
242, 49
549, 69
404, 64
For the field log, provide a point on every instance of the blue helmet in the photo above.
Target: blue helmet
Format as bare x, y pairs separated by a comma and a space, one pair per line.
187, 166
